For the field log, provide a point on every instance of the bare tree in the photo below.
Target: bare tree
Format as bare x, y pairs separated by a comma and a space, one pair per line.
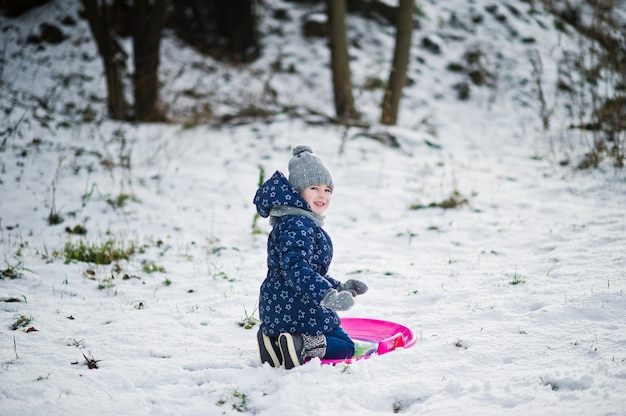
397, 75
236, 22
149, 18
342, 84
113, 56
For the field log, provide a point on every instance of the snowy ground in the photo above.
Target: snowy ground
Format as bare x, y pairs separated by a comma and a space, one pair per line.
517, 297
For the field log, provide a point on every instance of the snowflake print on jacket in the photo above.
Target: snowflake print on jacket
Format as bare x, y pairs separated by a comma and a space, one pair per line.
299, 255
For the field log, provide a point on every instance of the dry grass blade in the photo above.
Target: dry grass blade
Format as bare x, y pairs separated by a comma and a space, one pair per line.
91, 362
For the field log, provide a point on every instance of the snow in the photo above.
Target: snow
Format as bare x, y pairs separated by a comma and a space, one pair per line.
517, 297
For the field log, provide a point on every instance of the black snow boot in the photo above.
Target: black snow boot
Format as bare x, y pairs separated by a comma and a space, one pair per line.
296, 348
269, 349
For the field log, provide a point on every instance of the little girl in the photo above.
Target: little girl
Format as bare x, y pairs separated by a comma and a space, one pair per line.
298, 300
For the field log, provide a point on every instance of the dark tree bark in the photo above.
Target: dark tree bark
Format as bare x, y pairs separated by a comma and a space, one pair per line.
112, 54
195, 22
397, 75
236, 22
149, 18
14, 8
342, 84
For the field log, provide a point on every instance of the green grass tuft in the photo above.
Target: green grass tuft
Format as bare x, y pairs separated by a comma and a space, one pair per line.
150, 267
11, 272
249, 320
21, 321
105, 253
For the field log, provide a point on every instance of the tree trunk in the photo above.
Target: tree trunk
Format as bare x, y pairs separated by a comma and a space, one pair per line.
397, 75
342, 85
236, 21
149, 21
113, 57
14, 8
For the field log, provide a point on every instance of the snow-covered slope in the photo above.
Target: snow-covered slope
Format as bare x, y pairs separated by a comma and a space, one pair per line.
517, 295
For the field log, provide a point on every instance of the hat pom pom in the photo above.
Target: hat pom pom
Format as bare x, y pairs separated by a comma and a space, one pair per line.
301, 148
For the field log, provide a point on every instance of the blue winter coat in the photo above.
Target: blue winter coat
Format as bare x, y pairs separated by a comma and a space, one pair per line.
299, 253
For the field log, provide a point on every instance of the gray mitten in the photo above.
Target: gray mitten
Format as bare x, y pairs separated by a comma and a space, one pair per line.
337, 301
356, 287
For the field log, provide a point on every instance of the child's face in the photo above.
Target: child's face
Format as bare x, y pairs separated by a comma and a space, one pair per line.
318, 197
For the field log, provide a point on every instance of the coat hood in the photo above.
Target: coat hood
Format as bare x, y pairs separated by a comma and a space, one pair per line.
275, 192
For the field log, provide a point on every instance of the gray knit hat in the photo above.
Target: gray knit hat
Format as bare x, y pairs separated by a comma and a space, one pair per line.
307, 169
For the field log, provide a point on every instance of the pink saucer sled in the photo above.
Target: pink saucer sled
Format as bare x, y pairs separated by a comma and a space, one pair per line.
374, 337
